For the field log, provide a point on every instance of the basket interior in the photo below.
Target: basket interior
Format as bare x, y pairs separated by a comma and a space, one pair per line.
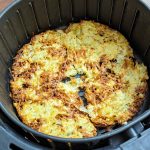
23, 19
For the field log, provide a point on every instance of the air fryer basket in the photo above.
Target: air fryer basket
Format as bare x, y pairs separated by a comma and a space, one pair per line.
24, 18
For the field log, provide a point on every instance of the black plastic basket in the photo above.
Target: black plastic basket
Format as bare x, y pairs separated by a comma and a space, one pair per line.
25, 18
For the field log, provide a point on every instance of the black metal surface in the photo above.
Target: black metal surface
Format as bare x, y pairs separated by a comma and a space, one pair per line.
24, 18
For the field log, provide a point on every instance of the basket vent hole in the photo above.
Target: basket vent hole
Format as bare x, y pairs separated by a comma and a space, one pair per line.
14, 147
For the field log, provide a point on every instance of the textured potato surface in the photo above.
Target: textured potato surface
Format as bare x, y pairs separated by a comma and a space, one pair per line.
49, 72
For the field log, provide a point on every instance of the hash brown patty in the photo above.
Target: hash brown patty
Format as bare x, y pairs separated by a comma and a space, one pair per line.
114, 83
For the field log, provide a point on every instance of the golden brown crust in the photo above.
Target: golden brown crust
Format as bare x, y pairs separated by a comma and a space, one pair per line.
114, 82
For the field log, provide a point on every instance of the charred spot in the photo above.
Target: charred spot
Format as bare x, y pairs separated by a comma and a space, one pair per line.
54, 94
67, 79
63, 67
36, 124
113, 60
25, 75
133, 59
98, 98
33, 64
45, 78
20, 51
101, 33
94, 89
16, 100
109, 71
82, 89
25, 85
79, 127
61, 116
21, 106
33, 67
38, 120
140, 89
42, 103
100, 63
21, 64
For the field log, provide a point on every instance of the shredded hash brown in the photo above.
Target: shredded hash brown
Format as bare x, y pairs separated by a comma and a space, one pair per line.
114, 83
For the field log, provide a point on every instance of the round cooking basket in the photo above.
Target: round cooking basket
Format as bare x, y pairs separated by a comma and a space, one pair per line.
24, 18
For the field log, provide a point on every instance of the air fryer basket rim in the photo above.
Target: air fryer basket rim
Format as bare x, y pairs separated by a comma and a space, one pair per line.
73, 140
